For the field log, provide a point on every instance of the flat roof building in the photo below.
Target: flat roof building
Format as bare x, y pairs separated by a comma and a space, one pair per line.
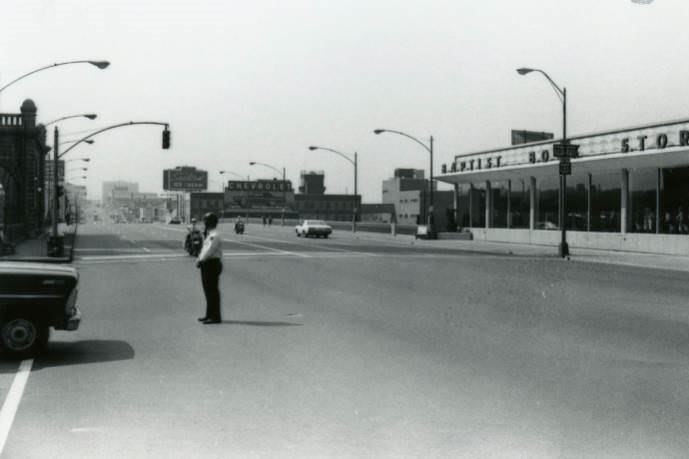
629, 190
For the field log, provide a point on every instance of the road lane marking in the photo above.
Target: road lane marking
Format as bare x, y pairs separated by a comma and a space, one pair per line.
14, 396
297, 254
330, 246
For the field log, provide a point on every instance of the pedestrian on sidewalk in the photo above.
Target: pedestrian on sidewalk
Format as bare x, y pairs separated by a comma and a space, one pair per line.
210, 263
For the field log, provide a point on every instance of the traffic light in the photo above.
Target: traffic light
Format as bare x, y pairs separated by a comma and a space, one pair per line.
166, 139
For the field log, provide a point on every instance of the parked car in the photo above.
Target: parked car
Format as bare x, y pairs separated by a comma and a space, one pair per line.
33, 298
316, 228
175, 221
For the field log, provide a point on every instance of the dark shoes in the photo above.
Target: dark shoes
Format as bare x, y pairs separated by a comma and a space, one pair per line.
211, 321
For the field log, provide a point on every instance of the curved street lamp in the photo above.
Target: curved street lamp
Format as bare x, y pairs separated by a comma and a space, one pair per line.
78, 159
354, 163
68, 142
284, 185
99, 64
91, 116
429, 148
232, 173
57, 155
563, 249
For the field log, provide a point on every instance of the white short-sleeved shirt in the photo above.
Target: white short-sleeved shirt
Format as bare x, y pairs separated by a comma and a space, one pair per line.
212, 246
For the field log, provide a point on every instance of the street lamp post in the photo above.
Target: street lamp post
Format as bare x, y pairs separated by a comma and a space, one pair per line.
354, 162
429, 148
91, 116
99, 64
563, 249
284, 185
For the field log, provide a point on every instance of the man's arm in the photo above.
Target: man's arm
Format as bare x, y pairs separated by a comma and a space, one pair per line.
209, 246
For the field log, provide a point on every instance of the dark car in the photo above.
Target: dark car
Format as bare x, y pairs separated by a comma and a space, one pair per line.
175, 221
33, 298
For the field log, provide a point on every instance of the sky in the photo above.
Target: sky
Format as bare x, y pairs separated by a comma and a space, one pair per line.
262, 80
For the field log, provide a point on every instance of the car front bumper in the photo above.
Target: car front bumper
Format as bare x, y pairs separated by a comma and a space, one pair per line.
72, 322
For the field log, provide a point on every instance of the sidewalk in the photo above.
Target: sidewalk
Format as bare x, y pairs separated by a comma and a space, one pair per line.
639, 259
38, 247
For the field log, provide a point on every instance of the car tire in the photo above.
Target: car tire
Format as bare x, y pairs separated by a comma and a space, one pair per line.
326, 236
22, 337
298, 235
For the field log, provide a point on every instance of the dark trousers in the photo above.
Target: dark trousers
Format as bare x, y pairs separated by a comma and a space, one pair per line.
210, 277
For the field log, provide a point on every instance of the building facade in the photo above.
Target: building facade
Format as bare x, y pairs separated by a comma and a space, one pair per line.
22, 172
629, 190
313, 202
203, 203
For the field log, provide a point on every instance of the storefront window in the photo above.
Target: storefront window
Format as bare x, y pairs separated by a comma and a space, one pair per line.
674, 200
606, 202
577, 202
547, 194
520, 207
499, 196
477, 199
642, 200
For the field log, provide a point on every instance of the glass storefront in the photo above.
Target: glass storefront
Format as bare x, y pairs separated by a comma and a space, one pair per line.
499, 197
547, 194
577, 204
520, 206
594, 202
606, 202
477, 204
463, 217
642, 200
674, 200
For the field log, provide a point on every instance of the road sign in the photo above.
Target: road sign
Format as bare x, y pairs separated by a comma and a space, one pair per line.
185, 178
565, 150
565, 168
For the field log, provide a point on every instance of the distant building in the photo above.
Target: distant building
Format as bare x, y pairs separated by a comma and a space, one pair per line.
521, 136
312, 202
202, 203
118, 190
409, 192
378, 213
258, 198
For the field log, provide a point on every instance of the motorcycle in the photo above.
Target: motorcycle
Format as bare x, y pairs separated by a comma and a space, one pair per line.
193, 242
239, 228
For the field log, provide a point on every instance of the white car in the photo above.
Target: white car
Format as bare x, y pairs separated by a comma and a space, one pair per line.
316, 228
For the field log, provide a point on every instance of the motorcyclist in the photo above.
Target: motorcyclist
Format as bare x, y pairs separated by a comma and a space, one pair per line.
238, 225
191, 231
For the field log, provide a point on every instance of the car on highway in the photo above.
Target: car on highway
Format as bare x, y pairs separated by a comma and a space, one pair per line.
316, 228
35, 296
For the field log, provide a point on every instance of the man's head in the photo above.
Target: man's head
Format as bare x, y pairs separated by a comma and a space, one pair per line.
210, 220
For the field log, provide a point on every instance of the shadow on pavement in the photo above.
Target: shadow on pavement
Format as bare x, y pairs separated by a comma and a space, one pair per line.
256, 323
66, 353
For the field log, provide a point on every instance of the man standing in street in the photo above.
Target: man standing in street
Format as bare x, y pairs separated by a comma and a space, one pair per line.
210, 262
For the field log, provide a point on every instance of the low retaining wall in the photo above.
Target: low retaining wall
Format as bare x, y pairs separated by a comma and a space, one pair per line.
670, 244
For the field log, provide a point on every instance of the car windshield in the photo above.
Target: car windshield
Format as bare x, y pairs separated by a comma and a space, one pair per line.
316, 222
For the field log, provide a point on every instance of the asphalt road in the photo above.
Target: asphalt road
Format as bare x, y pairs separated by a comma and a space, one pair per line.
344, 347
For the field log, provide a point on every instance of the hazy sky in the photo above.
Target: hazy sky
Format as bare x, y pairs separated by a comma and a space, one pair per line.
262, 80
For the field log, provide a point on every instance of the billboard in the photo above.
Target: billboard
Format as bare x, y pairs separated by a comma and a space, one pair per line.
259, 193
185, 178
